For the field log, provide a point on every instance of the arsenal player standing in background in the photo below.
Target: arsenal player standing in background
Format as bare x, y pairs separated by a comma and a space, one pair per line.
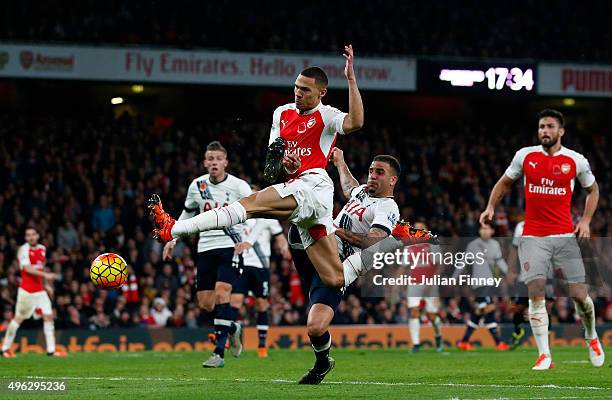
549, 237
31, 294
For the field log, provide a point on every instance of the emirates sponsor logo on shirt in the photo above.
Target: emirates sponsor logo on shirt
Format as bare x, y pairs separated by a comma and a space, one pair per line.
293, 148
546, 187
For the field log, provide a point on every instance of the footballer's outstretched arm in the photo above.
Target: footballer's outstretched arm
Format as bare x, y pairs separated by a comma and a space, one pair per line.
362, 240
499, 191
354, 119
34, 272
347, 181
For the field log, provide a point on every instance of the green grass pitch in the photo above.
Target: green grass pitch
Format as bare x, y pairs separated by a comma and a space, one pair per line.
359, 374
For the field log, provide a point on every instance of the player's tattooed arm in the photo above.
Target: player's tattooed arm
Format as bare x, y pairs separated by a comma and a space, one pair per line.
362, 240
354, 119
499, 191
347, 181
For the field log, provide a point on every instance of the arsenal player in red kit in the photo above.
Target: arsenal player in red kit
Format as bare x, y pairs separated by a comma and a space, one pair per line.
549, 237
31, 294
303, 134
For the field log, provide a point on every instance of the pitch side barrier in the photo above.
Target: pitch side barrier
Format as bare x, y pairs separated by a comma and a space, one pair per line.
294, 337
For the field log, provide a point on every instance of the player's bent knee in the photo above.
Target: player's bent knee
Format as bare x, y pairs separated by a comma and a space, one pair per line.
262, 304
207, 306
317, 327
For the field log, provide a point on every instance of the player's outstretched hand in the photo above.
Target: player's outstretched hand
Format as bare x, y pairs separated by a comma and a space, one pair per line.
168, 249
583, 229
241, 247
291, 163
486, 216
337, 156
50, 276
349, 72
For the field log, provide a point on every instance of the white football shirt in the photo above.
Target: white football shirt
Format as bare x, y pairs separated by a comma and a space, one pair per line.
363, 212
204, 195
259, 233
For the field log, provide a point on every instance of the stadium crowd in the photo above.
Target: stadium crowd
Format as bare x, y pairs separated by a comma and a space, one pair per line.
83, 183
567, 30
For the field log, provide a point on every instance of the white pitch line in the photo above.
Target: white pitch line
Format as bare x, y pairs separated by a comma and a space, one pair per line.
533, 398
365, 383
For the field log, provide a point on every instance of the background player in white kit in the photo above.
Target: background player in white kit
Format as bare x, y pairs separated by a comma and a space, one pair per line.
484, 307
429, 294
371, 212
216, 272
255, 250
304, 130
549, 237
32, 294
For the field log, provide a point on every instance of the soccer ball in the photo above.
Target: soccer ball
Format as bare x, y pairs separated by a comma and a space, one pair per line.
108, 271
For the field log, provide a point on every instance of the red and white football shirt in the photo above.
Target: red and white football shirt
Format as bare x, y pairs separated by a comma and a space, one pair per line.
423, 265
311, 135
36, 257
549, 185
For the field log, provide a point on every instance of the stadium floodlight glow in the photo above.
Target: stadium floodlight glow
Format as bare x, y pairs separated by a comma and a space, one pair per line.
137, 88
568, 102
117, 100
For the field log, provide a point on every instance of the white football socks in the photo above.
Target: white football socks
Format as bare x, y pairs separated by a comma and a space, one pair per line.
415, 326
217, 218
538, 319
352, 267
49, 330
586, 311
437, 324
9, 337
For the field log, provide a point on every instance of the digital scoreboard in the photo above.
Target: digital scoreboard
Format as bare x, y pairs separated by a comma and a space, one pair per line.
464, 77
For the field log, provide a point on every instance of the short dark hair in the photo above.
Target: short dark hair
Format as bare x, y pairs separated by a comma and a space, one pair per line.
549, 112
216, 146
317, 73
392, 161
32, 227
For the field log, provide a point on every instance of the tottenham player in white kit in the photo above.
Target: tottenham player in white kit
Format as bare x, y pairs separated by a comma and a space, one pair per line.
256, 252
371, 212
549, 237
216, 272
32, 294
309, 129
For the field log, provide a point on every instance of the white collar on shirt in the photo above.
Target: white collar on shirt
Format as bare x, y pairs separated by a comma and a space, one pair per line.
312, 110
